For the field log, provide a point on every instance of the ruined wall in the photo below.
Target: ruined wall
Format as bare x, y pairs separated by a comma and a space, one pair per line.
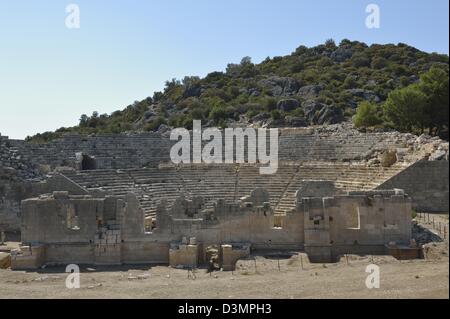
145, 252
360, 222
427, 182
12, 157
110, 230
60, 219
372, 218
12, 190
251, 220
185, 255
232, 253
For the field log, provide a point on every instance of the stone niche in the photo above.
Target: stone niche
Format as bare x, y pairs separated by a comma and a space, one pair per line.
85, 162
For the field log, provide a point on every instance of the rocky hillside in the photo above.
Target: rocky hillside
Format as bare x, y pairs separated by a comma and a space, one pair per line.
318, 85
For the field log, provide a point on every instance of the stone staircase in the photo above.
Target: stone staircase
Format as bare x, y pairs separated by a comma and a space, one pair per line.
347, 177
249, 178
156, 184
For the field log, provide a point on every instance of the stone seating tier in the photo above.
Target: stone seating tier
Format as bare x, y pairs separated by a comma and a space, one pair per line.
230, 182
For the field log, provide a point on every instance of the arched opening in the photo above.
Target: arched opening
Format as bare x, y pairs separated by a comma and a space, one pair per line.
88, 163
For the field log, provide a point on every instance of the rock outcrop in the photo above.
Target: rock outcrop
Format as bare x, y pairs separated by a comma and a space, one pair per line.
318, 113
280, 86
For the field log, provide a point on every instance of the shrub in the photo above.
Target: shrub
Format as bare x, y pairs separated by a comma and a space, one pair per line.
367, 115
378, 63
154, 124
270, 104
275, 114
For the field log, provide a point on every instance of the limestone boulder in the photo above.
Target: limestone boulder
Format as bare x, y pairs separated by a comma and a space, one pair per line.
388, 158
366, 95
341, 54
278, 86
310, 91
439, 155
318, 113
192, 90
288, 105
149, 114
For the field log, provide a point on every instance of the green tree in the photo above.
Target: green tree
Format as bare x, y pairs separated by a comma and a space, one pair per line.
434, 84
367, 114
330, 44
84, 120
406, 109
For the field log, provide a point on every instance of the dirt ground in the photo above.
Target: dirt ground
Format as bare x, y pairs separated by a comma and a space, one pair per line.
288, 276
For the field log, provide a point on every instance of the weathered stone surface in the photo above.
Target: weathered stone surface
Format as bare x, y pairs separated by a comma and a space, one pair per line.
319, 113
365, 94
192, 90
5, 260
278, 86
258, 197
149, 114
110, 230
341, 54
288, 105
295, 121
310, 91
388, 158
439, 155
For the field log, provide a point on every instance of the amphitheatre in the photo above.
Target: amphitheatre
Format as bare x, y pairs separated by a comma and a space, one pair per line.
117, 199
209, 150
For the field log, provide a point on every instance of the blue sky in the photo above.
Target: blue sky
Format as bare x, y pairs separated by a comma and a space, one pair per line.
125, 50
